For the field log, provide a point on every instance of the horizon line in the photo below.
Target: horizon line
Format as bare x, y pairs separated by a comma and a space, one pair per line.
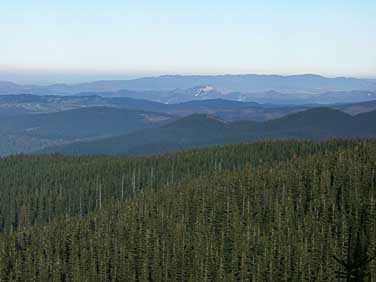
146, 76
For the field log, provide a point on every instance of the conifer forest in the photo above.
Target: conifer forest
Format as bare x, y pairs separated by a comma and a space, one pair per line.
269, 211
187, 141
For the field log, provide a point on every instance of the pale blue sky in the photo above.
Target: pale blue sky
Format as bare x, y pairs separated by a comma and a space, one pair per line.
114, 38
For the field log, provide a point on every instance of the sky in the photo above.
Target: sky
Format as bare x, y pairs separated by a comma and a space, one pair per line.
77, 40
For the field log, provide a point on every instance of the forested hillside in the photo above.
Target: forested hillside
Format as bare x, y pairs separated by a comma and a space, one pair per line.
269, 211
31, 132
200, 130
82, 123
38, 188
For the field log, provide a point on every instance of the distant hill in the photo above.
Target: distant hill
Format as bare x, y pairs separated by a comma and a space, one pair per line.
307, 83
314, 124
204, 130
304, 98
33, 122
229, 110
193, 131
357, 108
11, 105
243, 83
82, 123
367, 122
24, 133
207, 92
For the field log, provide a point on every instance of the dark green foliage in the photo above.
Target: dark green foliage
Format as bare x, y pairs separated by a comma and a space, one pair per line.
36, 189
271, 211
355, 265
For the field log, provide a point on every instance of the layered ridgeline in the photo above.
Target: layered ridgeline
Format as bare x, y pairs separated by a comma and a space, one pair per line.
12, 105
31, 123
271, 211
306, 88
203, 130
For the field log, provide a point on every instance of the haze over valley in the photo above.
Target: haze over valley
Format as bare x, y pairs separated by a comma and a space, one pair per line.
42, 118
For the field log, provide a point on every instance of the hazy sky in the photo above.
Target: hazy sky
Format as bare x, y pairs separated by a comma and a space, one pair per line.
98, 38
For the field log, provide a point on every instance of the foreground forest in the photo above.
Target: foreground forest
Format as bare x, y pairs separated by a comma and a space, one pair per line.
270, 211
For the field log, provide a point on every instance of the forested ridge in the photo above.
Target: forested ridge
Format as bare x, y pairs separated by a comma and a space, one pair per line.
202, 130
269, 211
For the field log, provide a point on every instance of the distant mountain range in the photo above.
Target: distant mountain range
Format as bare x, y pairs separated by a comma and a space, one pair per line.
207, 92
296, 89
204, 130
33, 122
12, 105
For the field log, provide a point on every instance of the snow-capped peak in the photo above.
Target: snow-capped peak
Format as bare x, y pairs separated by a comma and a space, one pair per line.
203, 90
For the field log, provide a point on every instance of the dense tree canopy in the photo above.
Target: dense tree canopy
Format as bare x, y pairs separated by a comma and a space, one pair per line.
270, 211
